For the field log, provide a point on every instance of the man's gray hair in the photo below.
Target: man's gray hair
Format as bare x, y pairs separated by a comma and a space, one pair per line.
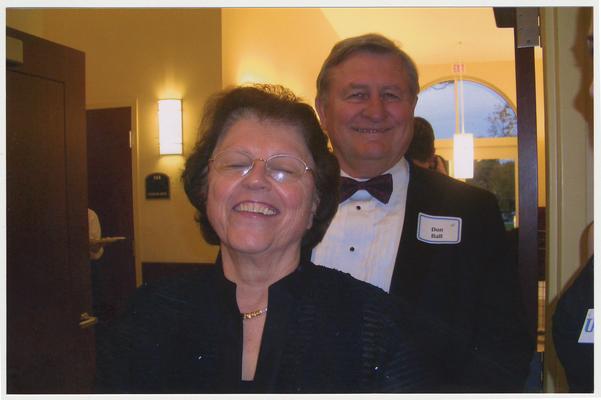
369, 43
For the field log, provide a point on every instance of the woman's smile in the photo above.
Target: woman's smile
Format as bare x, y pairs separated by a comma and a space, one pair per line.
256, 208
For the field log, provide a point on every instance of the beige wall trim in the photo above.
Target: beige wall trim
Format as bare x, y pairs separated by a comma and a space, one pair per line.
569, 163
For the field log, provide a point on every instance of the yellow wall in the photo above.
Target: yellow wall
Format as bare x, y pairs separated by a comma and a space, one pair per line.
287, 46
130, 61
133, 58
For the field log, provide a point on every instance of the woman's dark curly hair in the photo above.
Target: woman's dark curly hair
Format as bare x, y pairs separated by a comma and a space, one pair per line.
272, 103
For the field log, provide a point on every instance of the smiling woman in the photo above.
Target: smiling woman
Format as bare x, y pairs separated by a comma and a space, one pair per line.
251, 109
256, 207
264, 319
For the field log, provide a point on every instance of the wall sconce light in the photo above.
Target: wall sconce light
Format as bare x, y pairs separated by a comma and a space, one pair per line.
170, 127
463, 155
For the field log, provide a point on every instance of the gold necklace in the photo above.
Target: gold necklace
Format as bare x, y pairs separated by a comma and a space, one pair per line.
253, 314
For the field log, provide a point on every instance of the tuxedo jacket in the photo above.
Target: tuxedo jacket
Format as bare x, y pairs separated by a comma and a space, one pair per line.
463, 290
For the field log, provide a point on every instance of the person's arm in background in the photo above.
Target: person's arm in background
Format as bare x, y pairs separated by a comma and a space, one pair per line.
95, 233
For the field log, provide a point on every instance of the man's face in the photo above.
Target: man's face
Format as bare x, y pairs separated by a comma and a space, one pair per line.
368, 113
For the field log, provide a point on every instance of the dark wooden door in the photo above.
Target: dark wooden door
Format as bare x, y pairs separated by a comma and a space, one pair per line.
48, 273
110, 195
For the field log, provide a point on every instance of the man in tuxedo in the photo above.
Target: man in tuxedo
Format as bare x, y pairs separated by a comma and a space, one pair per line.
421, 150
435, 242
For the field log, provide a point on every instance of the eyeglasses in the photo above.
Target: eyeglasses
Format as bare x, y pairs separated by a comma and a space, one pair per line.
280, 167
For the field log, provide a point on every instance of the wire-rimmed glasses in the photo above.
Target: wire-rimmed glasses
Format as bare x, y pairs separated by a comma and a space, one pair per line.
281, 168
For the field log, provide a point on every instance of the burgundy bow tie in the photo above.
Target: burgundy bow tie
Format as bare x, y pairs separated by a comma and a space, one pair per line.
379, 187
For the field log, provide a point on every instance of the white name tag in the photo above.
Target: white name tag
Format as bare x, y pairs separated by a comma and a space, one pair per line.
438, 230
587, 335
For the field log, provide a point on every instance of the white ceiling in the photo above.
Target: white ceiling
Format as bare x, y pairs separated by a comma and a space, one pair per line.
431, 35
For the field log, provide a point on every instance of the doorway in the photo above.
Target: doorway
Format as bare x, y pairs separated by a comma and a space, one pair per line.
110, 196
49, 343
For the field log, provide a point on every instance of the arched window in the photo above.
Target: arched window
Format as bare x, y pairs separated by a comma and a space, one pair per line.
487, 113
492, 120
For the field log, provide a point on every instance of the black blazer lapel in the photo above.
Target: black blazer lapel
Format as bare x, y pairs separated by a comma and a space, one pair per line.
411, 253
282, 301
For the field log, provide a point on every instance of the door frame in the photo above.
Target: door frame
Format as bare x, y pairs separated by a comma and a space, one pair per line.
135, 168
527, 165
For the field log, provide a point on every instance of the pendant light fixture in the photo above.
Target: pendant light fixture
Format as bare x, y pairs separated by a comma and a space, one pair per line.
463, 143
